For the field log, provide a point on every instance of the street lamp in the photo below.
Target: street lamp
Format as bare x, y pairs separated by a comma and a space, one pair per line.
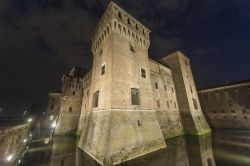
30, 120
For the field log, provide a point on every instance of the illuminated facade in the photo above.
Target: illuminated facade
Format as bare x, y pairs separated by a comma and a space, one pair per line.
129, 104
227, 106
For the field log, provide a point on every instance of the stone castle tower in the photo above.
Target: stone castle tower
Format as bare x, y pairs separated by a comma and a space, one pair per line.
70, 103
121, 124
128, 104
193, 119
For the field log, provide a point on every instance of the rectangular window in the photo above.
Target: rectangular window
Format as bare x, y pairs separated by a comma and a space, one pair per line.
70, 109
156, 85
195, 104
143, 73
165, 87
135, 96
103, 70
132, 48
96, 99
52, 106
51, 117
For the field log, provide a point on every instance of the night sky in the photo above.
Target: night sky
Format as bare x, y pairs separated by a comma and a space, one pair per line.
40, 40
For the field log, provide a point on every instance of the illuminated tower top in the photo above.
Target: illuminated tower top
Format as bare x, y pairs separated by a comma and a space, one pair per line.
115, 19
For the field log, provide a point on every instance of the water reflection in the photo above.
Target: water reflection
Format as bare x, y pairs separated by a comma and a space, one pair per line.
180, 151
228, 148
232, 147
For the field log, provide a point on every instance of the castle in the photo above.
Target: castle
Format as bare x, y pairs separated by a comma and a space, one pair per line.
127, 105
227, 106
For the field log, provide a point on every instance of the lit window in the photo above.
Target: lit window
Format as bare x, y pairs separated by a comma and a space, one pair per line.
103, 70
195, 104
143, 73
96, 99
135, 96
51, 117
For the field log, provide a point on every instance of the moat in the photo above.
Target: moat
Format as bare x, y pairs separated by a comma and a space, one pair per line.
222, 148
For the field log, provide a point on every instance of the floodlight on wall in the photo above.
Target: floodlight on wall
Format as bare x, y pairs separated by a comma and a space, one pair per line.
53, 125
9, 157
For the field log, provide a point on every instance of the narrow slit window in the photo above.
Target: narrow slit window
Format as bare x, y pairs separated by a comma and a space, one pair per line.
103, 68
165, 87
156, 85
158, 103
195, 104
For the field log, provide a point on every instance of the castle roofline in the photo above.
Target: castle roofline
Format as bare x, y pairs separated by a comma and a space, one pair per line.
122, 10
224, 86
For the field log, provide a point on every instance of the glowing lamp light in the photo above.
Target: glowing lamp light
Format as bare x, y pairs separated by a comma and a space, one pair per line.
9, 157
19, 161
53, 125
30, 120
30, 135
25, 140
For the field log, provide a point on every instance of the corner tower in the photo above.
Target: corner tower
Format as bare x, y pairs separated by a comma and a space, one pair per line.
120, 48
193, 119
121, 124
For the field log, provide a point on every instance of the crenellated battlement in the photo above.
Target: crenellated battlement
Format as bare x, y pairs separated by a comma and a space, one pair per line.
115, 19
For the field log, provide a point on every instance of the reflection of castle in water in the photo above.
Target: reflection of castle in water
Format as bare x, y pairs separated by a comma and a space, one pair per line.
232, 147
188, 151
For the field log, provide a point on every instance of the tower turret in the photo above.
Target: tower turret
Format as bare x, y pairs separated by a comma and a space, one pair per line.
193, 119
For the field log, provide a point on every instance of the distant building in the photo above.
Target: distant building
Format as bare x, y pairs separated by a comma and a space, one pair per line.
227, 106
128, 104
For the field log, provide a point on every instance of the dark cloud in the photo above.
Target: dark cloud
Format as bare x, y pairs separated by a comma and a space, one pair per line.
40, 40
